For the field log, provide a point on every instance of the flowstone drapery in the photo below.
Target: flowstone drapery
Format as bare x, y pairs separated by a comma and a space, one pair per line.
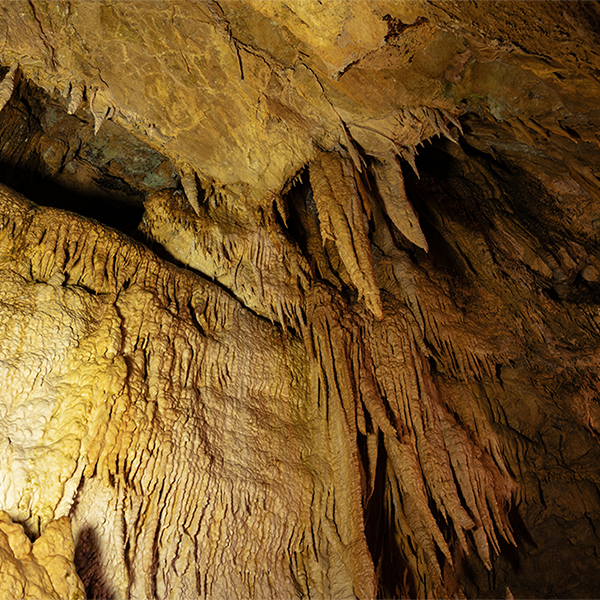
207, 437
344, 341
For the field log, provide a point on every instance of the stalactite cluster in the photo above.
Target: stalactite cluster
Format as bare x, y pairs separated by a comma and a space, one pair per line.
134, 337
344, 344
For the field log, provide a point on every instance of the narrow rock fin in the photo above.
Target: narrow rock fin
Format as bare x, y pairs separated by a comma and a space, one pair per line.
390, 184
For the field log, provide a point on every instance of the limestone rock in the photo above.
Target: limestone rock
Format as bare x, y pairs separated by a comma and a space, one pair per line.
43, 569
344, 343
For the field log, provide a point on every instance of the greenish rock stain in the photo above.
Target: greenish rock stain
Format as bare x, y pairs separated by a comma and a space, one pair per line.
154, 180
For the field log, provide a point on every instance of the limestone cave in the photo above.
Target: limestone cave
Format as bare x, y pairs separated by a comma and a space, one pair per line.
299, 299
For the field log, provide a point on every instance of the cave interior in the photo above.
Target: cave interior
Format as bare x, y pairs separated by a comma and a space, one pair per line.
299, 299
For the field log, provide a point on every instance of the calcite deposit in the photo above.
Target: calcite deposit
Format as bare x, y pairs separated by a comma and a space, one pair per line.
43, 569
299, 299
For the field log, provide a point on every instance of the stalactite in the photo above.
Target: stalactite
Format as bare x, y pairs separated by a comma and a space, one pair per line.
442, 126
334, 383
190, 187
381, 370
390, 184
100, 107
444, 450
409, 153
441, 321
77, 92
521, 132
7, 85
342, 221
452, 120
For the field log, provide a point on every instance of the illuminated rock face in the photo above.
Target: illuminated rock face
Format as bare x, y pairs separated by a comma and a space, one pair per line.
346, 343
43, 569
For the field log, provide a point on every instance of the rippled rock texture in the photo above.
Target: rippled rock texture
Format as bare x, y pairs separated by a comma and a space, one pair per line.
326, 322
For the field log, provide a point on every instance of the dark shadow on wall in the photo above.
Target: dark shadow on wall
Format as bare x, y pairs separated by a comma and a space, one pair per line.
101, 207
88, 564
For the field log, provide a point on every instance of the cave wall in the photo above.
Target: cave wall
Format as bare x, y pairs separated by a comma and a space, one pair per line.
344, 341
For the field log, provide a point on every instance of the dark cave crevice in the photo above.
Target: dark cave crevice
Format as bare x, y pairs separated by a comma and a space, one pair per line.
56, 160
481, 193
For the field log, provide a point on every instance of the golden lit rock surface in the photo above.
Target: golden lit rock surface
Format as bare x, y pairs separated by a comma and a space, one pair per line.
184, 402
346, 345
43, 569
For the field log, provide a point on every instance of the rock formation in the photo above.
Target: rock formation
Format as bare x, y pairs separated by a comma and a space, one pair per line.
299, 299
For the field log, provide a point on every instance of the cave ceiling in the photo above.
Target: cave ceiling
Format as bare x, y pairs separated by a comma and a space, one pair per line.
299, 299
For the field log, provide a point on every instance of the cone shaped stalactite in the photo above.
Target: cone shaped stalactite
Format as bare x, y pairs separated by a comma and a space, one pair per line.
7, 86
390, 185
342, 220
